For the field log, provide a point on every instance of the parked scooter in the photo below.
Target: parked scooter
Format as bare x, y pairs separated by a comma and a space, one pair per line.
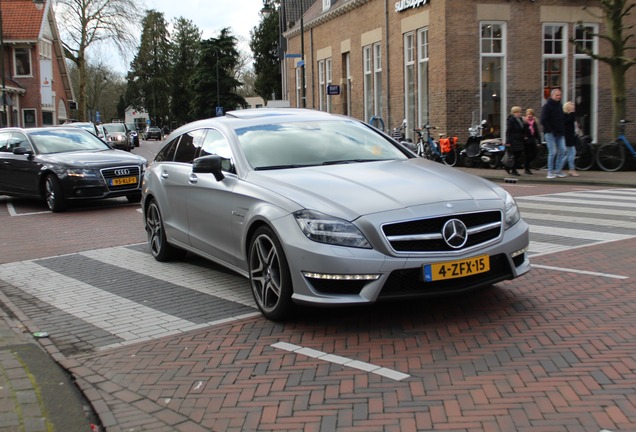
470, 156
479, 152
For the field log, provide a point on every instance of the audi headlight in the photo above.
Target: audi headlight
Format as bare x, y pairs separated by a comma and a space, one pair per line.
120, 137
330, 230
512, 211
79, 172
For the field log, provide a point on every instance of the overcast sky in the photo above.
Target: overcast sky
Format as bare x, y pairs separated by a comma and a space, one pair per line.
210, 16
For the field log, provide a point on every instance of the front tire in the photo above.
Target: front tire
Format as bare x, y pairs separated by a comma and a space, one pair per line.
160, 249
269, 275
53, 194
610, 157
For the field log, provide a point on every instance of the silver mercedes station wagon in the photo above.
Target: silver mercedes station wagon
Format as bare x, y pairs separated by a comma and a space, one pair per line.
321, 209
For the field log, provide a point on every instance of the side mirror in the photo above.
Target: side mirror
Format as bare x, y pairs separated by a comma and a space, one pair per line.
22, 151
210, 164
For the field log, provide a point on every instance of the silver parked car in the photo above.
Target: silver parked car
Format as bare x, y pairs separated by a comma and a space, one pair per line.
321, 209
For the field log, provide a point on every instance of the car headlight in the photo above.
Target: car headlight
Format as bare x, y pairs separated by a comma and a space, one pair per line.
120, 137
512, 211
331, 230
80, 172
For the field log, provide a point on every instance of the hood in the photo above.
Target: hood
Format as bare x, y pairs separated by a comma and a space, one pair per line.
93, 158
352, 190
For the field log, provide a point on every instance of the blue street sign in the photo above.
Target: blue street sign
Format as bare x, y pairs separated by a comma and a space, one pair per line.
148, 122
219, 111
98, 117
288, 55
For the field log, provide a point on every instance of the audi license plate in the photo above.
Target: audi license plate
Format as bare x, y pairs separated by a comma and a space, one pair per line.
456, 269
121, 181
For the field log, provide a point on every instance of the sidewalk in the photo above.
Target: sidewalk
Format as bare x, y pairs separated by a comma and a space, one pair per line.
37, 394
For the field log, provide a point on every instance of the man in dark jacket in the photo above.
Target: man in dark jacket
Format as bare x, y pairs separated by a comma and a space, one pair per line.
553, 122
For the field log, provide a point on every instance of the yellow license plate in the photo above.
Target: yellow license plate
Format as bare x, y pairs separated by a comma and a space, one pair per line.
456, 269
123, 181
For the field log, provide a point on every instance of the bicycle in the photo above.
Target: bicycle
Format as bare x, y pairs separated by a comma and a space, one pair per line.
443, 151
611, 156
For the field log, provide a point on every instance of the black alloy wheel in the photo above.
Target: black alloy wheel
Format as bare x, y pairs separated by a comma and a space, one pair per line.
160, 249
53, 194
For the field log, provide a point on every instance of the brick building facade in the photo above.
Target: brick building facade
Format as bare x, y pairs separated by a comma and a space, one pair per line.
35, 81
450, 63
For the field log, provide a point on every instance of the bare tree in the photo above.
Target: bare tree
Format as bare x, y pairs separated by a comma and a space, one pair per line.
88, 22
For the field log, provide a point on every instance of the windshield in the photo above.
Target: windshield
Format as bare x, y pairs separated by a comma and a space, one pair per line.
310, 143
63, 141
114, 127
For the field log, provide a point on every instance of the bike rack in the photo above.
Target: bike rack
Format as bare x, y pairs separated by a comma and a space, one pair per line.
376, 119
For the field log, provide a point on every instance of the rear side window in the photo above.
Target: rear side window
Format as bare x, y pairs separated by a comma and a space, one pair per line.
166, 154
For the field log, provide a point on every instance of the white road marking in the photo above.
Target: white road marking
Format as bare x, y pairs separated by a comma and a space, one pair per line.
585, 272
344, 361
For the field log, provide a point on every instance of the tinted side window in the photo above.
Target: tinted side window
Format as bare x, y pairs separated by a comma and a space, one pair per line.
4, 141
188, 146
19, 140
215, 143
166, 154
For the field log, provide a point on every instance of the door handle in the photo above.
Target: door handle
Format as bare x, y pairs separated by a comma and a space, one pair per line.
193, 179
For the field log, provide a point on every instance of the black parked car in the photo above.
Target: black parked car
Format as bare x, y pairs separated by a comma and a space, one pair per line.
58, 164
154, 133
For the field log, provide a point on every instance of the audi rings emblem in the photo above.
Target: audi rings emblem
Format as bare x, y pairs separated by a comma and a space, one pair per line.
122, 172
455, 233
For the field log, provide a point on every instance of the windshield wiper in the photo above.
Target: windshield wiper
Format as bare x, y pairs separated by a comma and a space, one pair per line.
348, 161
276, 167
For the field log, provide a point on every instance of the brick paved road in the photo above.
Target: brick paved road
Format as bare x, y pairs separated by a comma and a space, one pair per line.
553, 351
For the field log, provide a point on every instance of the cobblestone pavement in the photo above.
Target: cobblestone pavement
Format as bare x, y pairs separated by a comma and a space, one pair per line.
180, 347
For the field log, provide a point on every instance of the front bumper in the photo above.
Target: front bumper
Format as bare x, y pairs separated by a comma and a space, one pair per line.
396, 276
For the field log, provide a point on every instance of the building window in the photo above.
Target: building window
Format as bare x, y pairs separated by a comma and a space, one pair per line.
377, 79
493, 63
368, 80
409, 83
554, 59
22, 61
326, 4
46, 49
585, 78
422, 77
322, 87
47, 118
28, 118
347, 74
298, 87
329, 77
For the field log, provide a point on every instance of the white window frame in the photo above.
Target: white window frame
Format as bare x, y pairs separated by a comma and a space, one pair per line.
422, 79
298, 87
367, 82
594, 46
322, 88
347, 62
548, 56
377, 79
326, 4
15, 62
328, 79
46, 49
409, 83
500, 53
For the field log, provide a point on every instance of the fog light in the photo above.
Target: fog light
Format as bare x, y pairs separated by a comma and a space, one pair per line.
342, 277
519, 252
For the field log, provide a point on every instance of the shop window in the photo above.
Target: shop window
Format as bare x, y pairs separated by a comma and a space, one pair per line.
493, 64
22, 61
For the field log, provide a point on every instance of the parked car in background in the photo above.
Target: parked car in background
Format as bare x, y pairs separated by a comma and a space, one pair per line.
132, 131
153, 133
88, 126
59, 164
117, 135
323, 209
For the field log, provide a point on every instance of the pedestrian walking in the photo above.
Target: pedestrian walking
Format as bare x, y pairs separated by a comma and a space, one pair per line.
570, 137
533, 139
515, 138
553, 124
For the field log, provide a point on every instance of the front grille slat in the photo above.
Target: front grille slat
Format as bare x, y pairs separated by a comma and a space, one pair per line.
425, 235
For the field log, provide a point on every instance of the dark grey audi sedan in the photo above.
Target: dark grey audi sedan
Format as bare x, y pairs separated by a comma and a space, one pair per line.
58, 164
326, 210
